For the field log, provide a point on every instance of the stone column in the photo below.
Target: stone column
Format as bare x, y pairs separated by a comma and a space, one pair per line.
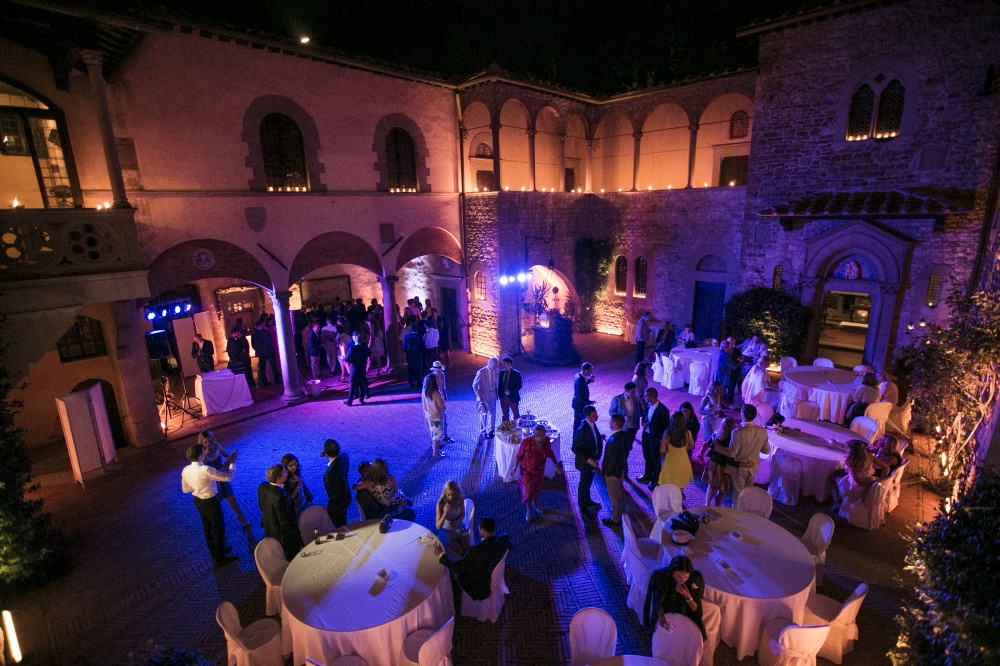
531, 159
141, 416
94, 61
692, 149
290, 377
812, 300
495, 127
562, 161
590, 163
637, 141
391, 324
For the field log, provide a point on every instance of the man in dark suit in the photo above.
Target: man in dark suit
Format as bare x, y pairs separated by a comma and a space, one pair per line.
614, 467
203, 351
413, 345
277, 514
475, 570
655, 422
370, 507
726, 364
587, 448
509, 390
357, 358
338, 491
266, 354
581, 393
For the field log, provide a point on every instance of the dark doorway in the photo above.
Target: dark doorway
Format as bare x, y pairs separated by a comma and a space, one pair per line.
570, 180
111, 403
449, 316
484, 181
709, 305
844, 330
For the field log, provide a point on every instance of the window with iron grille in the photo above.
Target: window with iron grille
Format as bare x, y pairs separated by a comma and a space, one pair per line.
84, 340
284, 154
933, 291
859, 118
621, 275
739, 125
641, 270
479, 283
776, 279
890, 111
402, 159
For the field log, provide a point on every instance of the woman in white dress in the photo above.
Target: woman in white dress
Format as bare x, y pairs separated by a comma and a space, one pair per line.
711, 406
755, 382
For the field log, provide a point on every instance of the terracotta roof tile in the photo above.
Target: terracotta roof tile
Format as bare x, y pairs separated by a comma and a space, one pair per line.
853, 204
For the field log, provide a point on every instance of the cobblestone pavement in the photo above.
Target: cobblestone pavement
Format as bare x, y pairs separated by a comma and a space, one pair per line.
143, 578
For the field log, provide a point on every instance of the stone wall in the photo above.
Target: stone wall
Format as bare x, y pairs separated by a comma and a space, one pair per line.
482, 251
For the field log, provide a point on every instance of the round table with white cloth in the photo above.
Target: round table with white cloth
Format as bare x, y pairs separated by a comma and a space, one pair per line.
830, 388
362, 592
683, 357
811, 443
505, 452
761, 574
628, 660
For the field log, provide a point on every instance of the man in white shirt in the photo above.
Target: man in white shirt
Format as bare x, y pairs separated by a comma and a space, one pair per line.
747, 443
431, 339
484, 385
642, 332
201, 481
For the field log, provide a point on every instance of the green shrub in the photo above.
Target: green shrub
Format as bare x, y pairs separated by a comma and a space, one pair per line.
592, 259
779, 316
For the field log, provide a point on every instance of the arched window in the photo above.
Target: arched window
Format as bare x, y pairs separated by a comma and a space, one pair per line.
84, 340
284, 154
641, 270
621, 275
739, 125
483, 150
479, 286
859, 119
776, 279
890, 111
711, 263
401, 157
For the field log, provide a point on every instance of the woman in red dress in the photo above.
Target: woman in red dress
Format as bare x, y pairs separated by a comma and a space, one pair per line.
530, 460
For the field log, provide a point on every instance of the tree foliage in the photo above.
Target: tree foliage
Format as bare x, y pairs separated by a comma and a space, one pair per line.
779, 317
592, 259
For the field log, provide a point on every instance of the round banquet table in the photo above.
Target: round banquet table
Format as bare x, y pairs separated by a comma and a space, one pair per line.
830, 388
335, 603
628, 660
683, 357
811, 443
763, 574
505, 452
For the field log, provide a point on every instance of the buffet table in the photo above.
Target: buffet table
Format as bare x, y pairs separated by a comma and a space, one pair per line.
221, 391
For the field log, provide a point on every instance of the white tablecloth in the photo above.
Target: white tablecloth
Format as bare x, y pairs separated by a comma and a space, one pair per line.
769, 576
628, 660
812, 446
334, 603
504, 452
830, 388
682, 358
222, 391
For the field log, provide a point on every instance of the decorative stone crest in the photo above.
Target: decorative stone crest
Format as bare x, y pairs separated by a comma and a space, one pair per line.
203, 259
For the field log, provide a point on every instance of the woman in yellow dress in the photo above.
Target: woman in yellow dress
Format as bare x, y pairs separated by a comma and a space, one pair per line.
675, 447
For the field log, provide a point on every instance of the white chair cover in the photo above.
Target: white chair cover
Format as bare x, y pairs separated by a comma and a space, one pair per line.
258, 644
869, 513
823, 363
843, 621
668, 499
789, 399
783, 643
899, 418
426, 647
786, 479
817, 539
787, 362
698, 378
314, 518
346, 660
808, 411
682, 645
657, 367
892, 501
764, 413
491, 607
469, 522
879, 412
865, 428
640, 558
673, 377
592, 636
271, 563
755, 500
711, 617
763, 467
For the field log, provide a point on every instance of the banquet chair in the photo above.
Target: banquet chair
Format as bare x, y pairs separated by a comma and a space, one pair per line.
427, 647
657, 368
347, 660
789, 399
592, 636
271, 563
822, 363
784, 643
807, 411
763, 466
641, 556
673, 377
786, 479
755, 500
668, 499
866, 428
869, 513
879, 412
314, 518
699, 379
900, 417
682, 645
892, 501
491, 607
258, 644
787, 363
817, 539
842, 618
711, 617
764, 412
469, 522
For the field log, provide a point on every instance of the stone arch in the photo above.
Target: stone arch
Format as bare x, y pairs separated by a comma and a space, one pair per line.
428, 240
614, 148
490, 296
547, 274
252, 117
577, 133
334, 247
666, 142
515, 121
476, 119
382, 129
826, 252
201, 259
714, 144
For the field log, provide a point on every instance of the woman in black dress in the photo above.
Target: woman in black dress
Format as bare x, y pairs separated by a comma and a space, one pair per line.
676, 589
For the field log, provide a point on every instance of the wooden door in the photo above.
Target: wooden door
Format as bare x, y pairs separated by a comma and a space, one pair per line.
709, 305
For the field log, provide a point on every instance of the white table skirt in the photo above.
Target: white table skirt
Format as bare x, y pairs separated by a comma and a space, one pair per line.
682, 358
812, 447
830, 388
222, 391
505, 453
770, 572
334, 603
628, 660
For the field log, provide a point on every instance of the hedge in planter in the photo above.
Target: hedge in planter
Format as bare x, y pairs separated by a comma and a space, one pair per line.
778, 315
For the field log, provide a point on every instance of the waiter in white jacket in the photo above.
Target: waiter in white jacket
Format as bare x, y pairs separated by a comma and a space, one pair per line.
484, 385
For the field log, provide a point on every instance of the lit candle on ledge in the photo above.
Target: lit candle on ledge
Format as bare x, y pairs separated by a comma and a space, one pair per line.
16, 203
106, 205
98, 206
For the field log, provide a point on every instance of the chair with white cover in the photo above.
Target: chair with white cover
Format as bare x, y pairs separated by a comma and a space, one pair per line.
490, 607
682, 645
755, 500
764, 412
842, 618
865, 428
892, 500
817, 539
822, 363
787, 363
879, 412
257, 644
900, 417
869, 513
668, 499
808, 411
271, 563
427, 647
657, 368
784, 643
347, 660
313, 519
789, 399
786, 479
641, 557
673, 377
592, 636
711, 617
469, 522
698, 379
